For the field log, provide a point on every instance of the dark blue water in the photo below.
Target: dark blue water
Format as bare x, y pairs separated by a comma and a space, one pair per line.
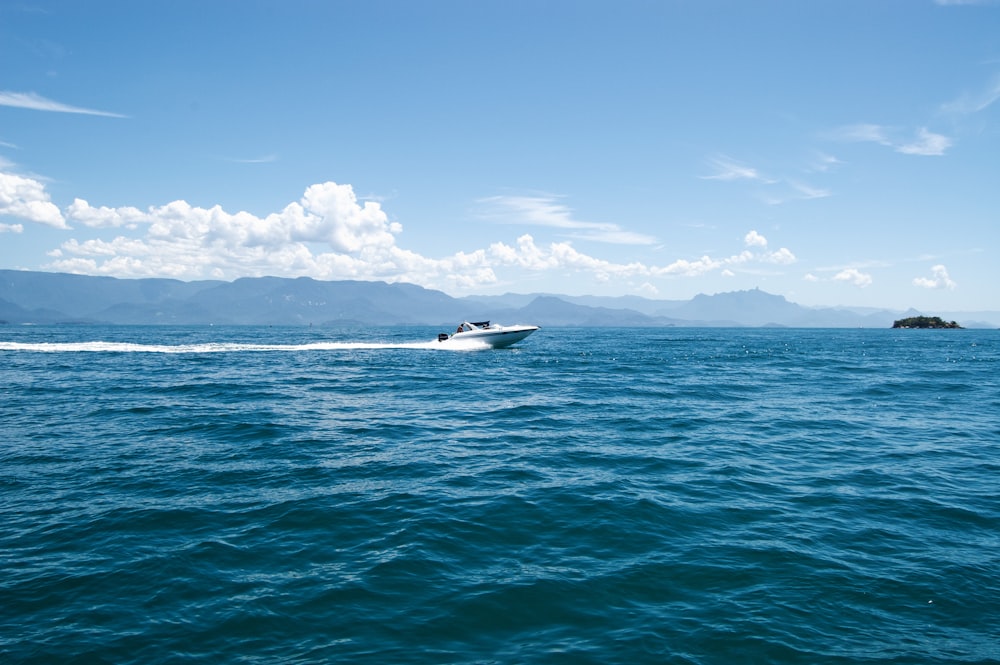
298, 495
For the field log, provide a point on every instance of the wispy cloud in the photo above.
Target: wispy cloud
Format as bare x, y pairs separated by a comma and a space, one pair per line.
862, 132
793, 191
731, 170
547, 211
924, 143
824, 163
266, 159
808, 191
956, 3
974, 102
35, 102
727, 168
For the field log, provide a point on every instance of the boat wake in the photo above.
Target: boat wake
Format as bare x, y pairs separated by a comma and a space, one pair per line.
234, 347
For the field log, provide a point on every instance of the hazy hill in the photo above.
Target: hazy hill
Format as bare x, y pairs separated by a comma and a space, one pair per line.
81, 296
37, 297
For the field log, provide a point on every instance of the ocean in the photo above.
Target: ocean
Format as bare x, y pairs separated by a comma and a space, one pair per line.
671, 495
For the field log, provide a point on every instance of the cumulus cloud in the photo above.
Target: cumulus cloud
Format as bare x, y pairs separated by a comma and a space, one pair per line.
179, 235
685, 268
939, 279
330, 234
854, 276
83, 212
782, 256
26, 198
33, 101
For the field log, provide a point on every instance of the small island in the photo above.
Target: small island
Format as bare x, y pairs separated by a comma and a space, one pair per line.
924, 322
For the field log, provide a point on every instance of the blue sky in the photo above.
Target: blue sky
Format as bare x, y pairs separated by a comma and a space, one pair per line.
836, 152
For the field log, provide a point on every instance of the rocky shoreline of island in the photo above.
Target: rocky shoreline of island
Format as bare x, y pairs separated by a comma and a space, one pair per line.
924, 322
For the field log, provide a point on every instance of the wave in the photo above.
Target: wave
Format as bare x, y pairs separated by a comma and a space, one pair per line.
233, 347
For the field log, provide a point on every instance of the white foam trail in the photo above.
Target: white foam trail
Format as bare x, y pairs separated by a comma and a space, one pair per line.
232, 347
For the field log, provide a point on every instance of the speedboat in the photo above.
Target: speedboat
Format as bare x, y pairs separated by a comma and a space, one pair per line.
495, 335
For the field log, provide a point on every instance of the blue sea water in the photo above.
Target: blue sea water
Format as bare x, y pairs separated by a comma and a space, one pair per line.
677, 495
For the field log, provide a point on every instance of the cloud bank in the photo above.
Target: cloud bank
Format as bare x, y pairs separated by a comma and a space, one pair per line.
327, 234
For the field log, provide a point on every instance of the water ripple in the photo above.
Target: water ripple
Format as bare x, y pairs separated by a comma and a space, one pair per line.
693, 496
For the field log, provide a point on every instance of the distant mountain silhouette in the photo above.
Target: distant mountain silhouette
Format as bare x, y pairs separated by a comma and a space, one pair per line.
46, 298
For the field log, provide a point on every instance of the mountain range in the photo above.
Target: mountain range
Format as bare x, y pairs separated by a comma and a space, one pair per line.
48, 298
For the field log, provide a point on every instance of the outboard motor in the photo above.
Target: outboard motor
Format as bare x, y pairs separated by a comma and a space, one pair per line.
442, 337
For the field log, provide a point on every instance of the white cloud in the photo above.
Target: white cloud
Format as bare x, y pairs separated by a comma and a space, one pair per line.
685, 268
26, 198
788, 190
183, 239
824, 162
546, 211
729, 169
648, 290
265, 159
31, 100
939, 279
782, 256
753, 239
854, 276
927, 143
863, 133
949, 3
808, 191
330, 234
975, 102
11, 228
81, 211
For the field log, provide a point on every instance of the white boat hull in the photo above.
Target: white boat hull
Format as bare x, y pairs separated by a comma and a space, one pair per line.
496, 336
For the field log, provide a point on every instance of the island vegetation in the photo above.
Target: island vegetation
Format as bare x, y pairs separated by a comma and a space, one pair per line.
924, 322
